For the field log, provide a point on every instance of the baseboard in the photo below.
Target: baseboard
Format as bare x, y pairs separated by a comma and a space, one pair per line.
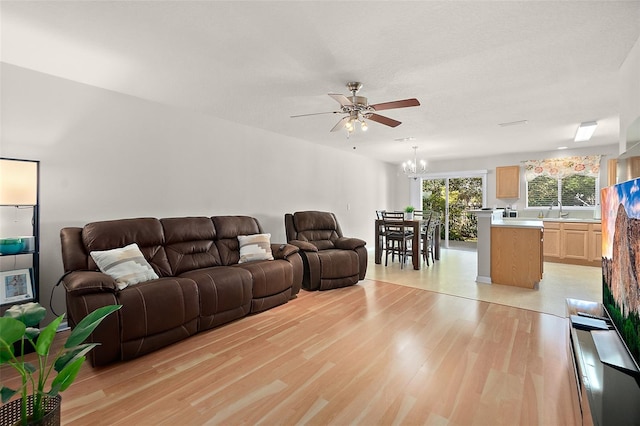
483, 280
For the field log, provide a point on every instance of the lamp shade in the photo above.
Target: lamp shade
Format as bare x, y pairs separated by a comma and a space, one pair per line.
18, 182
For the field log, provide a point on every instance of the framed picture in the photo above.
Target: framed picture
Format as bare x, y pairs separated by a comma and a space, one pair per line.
16, 286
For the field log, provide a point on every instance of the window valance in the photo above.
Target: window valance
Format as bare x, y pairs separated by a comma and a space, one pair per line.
559, 168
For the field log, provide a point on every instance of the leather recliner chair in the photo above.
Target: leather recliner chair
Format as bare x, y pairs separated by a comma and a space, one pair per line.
330, 260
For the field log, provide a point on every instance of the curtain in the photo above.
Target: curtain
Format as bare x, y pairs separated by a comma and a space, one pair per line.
559, 168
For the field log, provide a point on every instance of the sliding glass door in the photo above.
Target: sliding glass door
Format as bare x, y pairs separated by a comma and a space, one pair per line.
454, 197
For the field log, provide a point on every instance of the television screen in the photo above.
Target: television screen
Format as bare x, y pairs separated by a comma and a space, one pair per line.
621, 260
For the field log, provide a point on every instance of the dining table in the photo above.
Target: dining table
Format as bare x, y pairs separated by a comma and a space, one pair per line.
416, 225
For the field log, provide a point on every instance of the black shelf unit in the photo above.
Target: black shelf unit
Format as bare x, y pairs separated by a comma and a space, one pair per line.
33, 250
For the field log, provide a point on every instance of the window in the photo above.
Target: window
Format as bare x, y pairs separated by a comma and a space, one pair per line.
572, 191
574, 181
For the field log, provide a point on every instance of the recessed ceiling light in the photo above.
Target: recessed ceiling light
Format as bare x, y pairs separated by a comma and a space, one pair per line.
513, 123
410, 138
563, 147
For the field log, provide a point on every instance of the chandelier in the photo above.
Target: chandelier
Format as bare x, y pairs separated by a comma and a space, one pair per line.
411, 167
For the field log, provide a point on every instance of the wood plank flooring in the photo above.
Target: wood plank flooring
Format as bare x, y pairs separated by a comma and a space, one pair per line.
375, 353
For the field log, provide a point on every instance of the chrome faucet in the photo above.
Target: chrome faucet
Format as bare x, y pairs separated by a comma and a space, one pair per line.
559, 203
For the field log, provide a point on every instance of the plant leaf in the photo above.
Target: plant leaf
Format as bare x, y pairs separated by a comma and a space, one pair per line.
86, 326
6, 353
32, 333
47, 335
68, 374
11, 330
29, 367
29, 313
7, 394
71, 355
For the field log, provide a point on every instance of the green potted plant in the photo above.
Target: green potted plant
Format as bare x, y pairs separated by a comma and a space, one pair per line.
408, 212
18, 326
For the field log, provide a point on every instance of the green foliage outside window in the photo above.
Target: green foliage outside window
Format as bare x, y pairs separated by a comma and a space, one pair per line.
578, 190
575, 191
542, 191
464, 194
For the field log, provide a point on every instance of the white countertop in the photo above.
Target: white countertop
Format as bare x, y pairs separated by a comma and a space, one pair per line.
570, 219
518, 223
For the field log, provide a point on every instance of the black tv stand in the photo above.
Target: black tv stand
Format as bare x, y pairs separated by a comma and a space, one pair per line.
607, 382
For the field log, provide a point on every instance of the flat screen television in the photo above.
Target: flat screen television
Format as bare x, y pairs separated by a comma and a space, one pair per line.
621, 260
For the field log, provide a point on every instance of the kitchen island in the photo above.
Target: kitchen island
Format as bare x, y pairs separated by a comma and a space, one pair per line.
510, 251
516, 252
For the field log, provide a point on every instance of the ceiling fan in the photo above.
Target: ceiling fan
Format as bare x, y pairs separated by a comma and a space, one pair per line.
357, 109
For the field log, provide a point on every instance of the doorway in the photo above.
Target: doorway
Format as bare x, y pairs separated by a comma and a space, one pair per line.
454, 197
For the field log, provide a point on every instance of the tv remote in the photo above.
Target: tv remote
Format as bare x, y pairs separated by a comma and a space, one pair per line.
587, 315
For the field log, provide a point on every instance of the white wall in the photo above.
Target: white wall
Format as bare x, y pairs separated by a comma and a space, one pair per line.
105, 155
629, 92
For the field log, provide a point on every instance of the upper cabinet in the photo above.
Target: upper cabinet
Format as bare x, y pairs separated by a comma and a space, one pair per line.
508, 182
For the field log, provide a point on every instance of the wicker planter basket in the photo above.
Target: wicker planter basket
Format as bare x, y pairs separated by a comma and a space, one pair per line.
10, 412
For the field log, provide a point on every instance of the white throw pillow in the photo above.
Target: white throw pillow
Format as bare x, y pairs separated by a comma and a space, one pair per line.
255, 247
126, 265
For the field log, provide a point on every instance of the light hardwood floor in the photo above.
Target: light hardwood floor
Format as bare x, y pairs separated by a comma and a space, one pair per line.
456, 272
374, 353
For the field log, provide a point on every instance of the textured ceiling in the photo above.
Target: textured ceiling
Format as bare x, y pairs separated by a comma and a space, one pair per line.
471, 64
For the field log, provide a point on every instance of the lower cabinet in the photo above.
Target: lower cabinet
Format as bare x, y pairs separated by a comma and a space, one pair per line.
551, 246
516, 256
577, 243
595, 243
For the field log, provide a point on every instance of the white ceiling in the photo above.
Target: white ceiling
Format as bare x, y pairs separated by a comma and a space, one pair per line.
471, 64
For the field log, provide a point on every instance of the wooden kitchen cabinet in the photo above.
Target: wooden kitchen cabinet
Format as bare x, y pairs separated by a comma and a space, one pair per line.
508, 182
551, 239
595, 243
577, 243
574, 241
516, 256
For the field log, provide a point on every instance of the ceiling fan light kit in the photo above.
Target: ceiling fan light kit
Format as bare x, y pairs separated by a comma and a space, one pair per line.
357, 109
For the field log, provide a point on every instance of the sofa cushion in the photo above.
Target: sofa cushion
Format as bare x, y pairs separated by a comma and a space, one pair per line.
338, 263
125, 265
271, 283
225, 294
316, 226
189, 243
269, 278
166, 308
227, 230
146, 232
254, 247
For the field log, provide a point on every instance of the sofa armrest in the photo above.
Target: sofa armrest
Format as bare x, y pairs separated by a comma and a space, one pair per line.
86, 282
284, 252
349, 243
303, 245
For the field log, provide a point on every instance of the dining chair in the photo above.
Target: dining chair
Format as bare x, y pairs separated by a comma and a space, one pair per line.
397, 237
428, 239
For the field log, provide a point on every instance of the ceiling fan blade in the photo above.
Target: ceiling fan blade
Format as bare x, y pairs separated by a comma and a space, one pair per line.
315, 113
396, 104
342, 99
383, 120
340, 124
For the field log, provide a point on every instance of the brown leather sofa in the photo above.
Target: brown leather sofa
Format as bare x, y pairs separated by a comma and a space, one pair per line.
201, 284
330, 259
